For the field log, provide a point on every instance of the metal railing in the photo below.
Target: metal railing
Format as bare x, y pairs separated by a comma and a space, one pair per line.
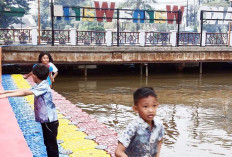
126, 38
187, 38
217, 39
91, 38
62, 37
10, 36
157, 38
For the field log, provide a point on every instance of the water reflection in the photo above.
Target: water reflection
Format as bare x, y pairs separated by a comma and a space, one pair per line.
196, 109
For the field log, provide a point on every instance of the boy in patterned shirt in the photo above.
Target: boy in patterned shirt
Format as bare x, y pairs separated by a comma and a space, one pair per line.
45, 110
144, 135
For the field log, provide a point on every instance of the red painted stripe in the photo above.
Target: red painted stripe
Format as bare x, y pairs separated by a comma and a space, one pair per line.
12, 142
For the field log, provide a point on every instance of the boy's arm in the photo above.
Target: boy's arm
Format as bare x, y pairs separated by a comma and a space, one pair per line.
120, 150
159, 148
10, 91
16, 93
27, 75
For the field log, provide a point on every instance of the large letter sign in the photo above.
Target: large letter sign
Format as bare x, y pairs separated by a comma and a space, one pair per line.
171, 14
88, 13
135, 16
100, 11
107, 11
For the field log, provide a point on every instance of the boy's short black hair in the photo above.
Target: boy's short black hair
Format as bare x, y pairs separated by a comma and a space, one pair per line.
41, 71
143, 92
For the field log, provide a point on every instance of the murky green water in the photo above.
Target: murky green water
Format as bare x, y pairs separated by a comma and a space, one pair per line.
196, 110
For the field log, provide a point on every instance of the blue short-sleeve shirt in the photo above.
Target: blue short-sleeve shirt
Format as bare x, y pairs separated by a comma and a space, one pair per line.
139, 140
50, 70
45, 110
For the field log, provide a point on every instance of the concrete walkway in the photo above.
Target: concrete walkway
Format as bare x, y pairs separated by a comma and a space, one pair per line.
12, 142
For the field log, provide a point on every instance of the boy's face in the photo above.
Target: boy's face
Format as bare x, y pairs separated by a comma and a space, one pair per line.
147, 107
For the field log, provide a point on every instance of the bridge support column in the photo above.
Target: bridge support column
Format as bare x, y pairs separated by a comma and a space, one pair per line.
141, 69
146, 69
146, 81
200, 67
73, 34
180, 67
86, 72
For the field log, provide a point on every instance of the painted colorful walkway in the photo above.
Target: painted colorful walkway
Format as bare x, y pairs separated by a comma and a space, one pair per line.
78, 131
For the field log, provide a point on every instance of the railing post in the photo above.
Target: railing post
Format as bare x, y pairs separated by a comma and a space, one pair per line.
173, 38
203, 38
34, 35
142, 37
73, 36
108, 37
230, 44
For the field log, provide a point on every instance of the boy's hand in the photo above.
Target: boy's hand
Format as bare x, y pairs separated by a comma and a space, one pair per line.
2, 96
2, 92
120, 150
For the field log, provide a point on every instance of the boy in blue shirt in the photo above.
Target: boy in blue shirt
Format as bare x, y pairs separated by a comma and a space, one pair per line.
144, 135
45, 110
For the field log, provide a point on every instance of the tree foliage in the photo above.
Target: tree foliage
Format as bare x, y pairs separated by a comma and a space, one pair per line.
62, 24
5, 21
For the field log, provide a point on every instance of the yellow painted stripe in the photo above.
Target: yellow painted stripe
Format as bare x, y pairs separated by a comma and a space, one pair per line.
73, 140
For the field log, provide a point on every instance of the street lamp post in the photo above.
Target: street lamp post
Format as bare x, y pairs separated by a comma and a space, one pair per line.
187, 16
39, 22
52, 19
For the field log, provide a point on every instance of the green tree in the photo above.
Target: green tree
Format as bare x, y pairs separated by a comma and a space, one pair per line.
216, 27
5, 21
62, 24
208, 2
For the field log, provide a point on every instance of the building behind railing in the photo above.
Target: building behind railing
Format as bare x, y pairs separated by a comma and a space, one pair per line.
109, 38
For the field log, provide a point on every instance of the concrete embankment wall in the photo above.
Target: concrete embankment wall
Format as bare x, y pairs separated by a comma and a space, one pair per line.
117, 55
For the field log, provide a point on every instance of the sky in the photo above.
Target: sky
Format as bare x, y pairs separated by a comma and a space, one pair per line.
161, 4
173, 2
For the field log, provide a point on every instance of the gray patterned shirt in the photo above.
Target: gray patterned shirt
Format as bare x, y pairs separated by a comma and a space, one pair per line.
45, 110
139, 140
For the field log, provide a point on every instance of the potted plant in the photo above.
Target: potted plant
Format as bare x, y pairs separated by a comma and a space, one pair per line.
23, 42
86, 42
8, 41
22, 38
62, 40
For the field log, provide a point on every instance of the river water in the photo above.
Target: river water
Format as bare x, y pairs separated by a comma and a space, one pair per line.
196, 109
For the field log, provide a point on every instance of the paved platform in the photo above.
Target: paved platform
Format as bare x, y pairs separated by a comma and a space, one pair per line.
12, 142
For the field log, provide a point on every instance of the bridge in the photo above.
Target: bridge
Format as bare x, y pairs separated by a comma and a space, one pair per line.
93, 55
99, 47
117, 55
